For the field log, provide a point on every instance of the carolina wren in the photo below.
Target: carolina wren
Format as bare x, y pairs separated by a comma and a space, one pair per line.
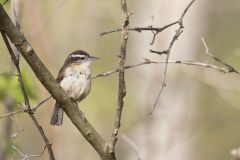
75, 78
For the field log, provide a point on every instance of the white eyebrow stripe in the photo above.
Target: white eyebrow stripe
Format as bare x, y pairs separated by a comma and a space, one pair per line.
77, 55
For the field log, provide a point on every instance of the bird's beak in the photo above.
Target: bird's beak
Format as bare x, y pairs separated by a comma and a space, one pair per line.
94, 58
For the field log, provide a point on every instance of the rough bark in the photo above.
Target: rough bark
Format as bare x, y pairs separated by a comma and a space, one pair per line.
49, 82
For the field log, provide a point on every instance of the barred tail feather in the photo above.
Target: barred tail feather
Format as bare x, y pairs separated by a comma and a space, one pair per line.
57, 116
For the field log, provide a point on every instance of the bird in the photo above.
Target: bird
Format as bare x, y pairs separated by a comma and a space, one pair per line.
75, 78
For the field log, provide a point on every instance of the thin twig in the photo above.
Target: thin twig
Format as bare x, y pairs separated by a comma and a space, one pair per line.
41, 103
158, 52
25, 96
167, 52
121, 85
155, 31
11, 114
185, 11
174, 39
229, 67
26, 156
192, 63
15, 134
24, 109
18, 130
140, 29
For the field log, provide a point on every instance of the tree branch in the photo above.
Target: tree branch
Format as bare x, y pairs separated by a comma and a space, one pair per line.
10, 114
225, 69
23, 108
229, 67
49, 82
140, 29
25, 96
26, 156
121, 81
167, 52
155, 32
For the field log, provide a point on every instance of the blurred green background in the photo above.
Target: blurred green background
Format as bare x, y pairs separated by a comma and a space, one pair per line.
198, 114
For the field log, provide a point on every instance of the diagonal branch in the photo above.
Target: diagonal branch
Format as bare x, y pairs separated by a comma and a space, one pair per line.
229, 67
26, 99
167, 52
49, 82
155, 32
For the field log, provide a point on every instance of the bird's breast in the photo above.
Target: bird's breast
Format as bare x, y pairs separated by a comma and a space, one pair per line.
77, 83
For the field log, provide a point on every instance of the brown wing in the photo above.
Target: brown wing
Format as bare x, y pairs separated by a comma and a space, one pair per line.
61, 74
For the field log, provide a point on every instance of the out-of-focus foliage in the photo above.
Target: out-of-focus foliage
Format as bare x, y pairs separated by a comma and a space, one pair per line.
9, 86
11, 96
198, 113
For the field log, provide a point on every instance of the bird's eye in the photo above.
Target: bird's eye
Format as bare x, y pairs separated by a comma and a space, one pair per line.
82, 58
